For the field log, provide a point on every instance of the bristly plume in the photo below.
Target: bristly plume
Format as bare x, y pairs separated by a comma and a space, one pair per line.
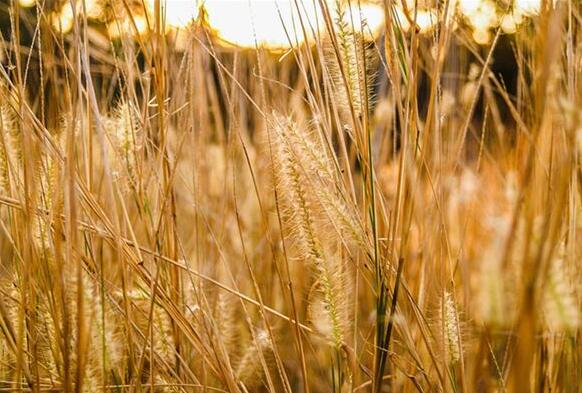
10, 148
225, 321
328, 305
125, 133
354, 59
297, 178
559, 302
250, 371
291, 182
450, 330
317, 167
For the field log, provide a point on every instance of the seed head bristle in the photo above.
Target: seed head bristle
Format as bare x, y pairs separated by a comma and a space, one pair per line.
294, 172
225, 320
311, 161
356, 63
450, 328
10, 148
328, 308
250, 371
559, 303
126, 136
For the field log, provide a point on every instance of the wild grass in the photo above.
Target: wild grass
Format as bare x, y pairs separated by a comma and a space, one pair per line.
354, 214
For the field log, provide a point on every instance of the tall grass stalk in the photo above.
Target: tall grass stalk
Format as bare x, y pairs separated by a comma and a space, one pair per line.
391, 206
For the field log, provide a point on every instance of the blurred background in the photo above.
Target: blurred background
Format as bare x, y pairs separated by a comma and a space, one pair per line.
240, 26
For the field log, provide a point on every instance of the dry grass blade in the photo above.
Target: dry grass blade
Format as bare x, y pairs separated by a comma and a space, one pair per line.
290, 196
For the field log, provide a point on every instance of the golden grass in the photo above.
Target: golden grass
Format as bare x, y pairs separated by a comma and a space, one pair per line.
346, 216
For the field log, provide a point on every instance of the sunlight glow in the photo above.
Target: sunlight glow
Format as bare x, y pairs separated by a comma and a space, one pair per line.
482, 36
270, 23
179, 13
116, 29
426, 20
94, 9
468, 7
277, 24
372, 16
485, 15
528, 7
510, 22
63, 21
26, 3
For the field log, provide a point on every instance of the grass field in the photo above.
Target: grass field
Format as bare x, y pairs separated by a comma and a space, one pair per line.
291, 196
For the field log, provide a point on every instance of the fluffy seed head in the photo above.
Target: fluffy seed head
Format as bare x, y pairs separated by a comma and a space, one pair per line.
351, 68
559, 303
250, 370
126, 137
450, 328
